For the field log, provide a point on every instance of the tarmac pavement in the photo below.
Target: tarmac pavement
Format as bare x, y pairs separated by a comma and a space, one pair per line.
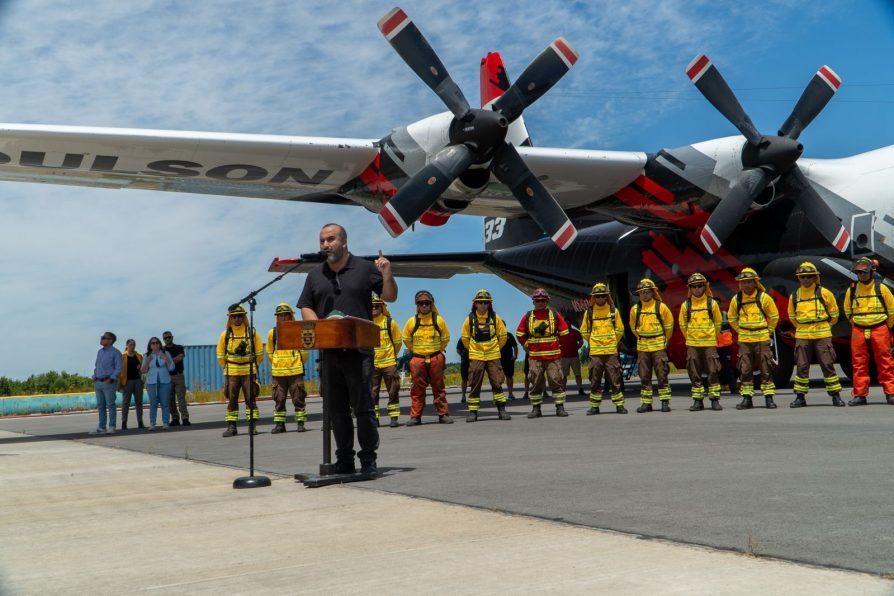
812, 486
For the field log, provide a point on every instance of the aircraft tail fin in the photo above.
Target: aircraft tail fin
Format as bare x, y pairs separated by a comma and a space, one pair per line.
494, 82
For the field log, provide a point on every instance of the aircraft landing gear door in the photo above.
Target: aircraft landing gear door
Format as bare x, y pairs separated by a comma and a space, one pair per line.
862, 238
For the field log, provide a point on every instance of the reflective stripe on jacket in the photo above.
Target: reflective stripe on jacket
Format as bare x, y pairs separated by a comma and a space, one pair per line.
426, 341
232, 363
607, 330
813, 317
389, 343
700, 327
747, 320
284, 363
654, 331
543, 344
868, 309
488, 349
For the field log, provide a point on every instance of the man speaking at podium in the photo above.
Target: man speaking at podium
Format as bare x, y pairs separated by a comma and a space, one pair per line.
346, 284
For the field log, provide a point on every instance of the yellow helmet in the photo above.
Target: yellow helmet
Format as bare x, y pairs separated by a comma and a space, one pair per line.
748, 273
483, 296
599, 289
236, 309
696, 278
864, 264
283, 308
645, 284
377, 300
806, 269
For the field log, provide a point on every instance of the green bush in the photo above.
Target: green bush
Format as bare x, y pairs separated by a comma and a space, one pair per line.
47, 383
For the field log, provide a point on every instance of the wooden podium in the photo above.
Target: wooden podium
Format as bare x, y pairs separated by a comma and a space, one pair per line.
323, 334
327, 334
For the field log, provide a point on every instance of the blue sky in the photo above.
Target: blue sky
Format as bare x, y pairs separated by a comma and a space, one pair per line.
79, 261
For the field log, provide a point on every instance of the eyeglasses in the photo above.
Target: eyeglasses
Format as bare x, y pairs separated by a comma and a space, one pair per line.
540, 300
424, 303
167, 337
697, 286
860, 271
154, 343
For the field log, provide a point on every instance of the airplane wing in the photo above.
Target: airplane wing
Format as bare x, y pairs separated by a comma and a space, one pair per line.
313, 169
427, 266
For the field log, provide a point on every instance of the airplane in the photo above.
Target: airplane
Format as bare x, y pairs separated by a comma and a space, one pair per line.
555, 217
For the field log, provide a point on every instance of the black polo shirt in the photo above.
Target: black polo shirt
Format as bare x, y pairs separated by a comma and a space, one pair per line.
175, 350
349, 290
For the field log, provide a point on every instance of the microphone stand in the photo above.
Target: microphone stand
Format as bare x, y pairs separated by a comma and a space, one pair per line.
252, 481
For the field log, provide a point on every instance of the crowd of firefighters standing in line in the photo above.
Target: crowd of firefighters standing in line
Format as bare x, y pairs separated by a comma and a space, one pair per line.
752, 314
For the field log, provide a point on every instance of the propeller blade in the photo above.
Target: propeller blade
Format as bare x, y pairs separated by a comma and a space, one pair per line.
816, 209
512, 171
708, 80
816, 95
421, 191
409, 43
538, 78
732, 207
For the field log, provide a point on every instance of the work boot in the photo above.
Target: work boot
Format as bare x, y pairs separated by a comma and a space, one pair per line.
799, 402
620, 409
889, 399
560, 411
299, 427
746, 403
279, 427
231, 430
535, 412
413, 421
771, 405
715, 404
472, 417
187, 422
394, 423
644, 408
592, 411
445, 419
857, 401
837, 401
697, 405
665, 406
502, 413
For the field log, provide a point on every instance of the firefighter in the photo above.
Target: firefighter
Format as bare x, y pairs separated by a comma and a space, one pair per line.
602, 329
385, 365
813, 310
287, 373
753, 316
483, 334
699, 321
234, 351
653, 325
869, 306
539, 332
426, 336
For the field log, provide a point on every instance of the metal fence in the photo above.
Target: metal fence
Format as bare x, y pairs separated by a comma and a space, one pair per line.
203, 373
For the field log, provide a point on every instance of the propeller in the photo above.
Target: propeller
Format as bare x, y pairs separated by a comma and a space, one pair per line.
476, 136
768, 159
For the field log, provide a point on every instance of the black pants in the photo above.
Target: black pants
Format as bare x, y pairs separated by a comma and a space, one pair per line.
347, 379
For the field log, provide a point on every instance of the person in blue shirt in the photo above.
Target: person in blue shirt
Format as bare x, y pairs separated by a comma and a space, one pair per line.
105, 381
157, 366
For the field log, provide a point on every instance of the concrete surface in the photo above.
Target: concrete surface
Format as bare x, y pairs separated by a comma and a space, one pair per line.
82, 518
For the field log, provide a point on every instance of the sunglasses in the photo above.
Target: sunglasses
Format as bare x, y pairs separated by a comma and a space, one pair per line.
697, 286
859, 271
481, 302
105, 337
540, 300
167, 338
154, 343
424, 303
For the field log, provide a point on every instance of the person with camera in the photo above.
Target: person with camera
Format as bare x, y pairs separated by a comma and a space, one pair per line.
130, 383
234, 356
426, 336
287, 374
483, 334
157, 366
540, 332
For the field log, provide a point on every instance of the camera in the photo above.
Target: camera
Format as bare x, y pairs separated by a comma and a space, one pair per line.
482, 334
241, 349
541, 328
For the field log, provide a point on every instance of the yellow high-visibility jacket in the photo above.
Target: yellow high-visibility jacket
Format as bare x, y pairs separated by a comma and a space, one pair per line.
284, 363
427, 340
488, 349
390, 340
868, 308
748, 321
700, 325
656, 325
122, 378
814, 314
602, 329
231, 362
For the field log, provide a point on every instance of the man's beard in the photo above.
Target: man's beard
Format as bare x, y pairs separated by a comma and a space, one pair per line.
334, 255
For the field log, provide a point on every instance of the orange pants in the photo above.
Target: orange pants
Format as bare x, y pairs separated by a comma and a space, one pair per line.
425, 372
879, 340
